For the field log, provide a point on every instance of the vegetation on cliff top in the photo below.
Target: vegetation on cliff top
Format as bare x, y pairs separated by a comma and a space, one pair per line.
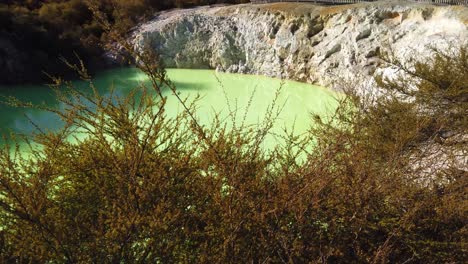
44, 31
143, 188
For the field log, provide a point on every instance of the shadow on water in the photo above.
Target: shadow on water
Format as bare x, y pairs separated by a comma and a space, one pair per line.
214, 89
120, 81
189, 86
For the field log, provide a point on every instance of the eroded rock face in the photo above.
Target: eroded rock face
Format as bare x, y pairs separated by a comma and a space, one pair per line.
297, 41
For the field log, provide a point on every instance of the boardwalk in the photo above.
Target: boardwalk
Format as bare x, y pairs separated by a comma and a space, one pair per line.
438, 2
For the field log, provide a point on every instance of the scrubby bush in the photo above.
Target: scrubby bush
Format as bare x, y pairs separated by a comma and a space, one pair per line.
137, 186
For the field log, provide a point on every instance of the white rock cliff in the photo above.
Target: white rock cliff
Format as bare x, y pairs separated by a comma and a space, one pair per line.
298, 41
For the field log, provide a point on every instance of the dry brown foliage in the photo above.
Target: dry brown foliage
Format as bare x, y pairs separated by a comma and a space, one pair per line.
139, 187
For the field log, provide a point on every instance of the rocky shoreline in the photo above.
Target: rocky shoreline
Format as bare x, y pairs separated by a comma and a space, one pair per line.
299, 41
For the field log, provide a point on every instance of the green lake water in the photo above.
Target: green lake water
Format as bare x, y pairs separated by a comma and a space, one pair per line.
300, 100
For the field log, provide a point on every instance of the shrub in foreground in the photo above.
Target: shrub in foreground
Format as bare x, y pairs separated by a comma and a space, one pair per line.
136, 186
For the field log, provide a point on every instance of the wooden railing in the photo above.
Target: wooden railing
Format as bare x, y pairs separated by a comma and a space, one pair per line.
443, 2
312, 1
333, 2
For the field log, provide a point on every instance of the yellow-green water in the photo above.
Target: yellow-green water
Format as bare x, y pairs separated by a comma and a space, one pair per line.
300, 100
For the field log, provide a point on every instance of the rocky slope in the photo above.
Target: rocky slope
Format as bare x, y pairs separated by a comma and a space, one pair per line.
300, 41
